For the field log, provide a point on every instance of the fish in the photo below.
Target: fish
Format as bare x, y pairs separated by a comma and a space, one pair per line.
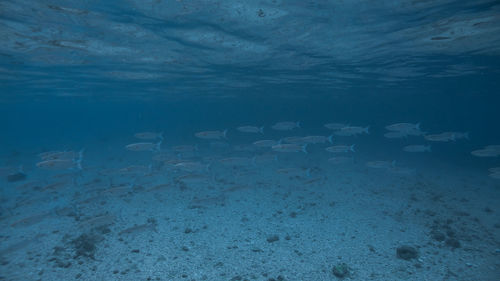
317, 139
442, 137
395, 135
212, 135
138, 229
60, 155
149, 135
31, 220
144, 146
335, 126
380, 164
135, 169
494, 170
485, 152
6, 171
461, 135
289, 147
192, 166
401, 170
493, 147
417, 148
97, 222
264, 158
403, 127
352, 131
75, 162
293, 139
294, 171
185, 148
251, 129
495, 175
19, 176
340, 160
285, 126
265, 143
193, 178
340, 148
236, 161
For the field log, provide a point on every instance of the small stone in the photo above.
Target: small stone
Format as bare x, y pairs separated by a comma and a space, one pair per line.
273, 238
453, 243
406, 253
340, 270
438, 236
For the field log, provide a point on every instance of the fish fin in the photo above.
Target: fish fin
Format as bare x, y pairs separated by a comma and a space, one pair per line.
308, 172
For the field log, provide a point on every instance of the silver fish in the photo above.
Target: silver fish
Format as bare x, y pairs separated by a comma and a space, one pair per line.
417, 148
211, 135
149, 135
340, 148
352, 131
251, 129
144, 146
335, 126
380, 164
286, 126
265, 143
403, 127
289, 147
317, 139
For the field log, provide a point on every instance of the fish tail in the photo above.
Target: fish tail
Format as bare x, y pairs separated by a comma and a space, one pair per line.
308, 172
352, 148
160, 136
330, 138
158, 145
298, 124
393, 163
429, 148
366, 130
79, 160
196, 147
417, 126
253, 161
224, 133
466, 135
304, 148
207, 167
261, 130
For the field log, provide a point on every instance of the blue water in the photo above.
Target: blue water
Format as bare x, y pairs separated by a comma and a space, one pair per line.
80, 79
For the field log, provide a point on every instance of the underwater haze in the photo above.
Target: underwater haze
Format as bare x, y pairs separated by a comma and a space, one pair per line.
250, 140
